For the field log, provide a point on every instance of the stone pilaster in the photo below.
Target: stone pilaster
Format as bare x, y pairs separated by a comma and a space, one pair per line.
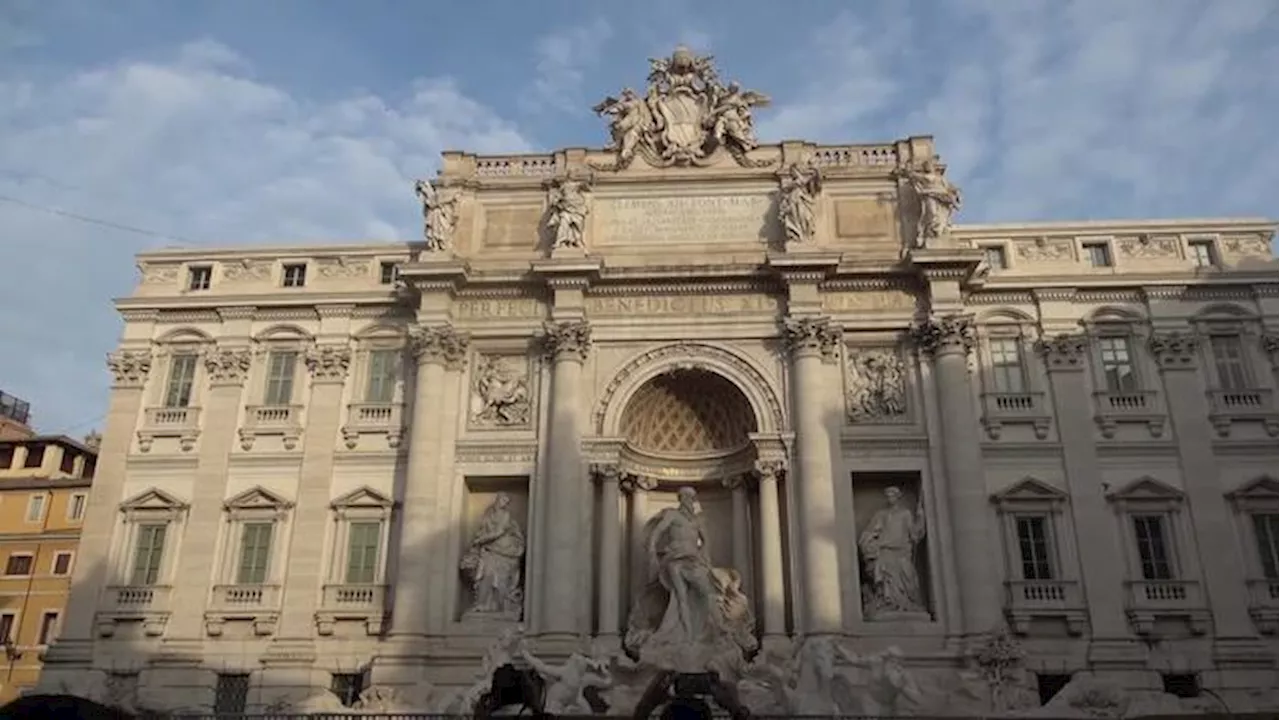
948, 340
737, 486
1065, 357
608, 592
564, 555
811, 342
637, 488
1176, 355
773, 599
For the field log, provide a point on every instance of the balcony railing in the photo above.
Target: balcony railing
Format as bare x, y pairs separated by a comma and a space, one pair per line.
1134, 406
140, 598
169, 422
1008, 408
361, 602
1227, 406
282, 420
1263, 604
1149, 599
374, 418
247, 597
1028, 599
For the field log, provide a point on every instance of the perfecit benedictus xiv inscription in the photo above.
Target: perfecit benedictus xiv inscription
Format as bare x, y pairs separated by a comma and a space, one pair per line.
683, 220
682, 305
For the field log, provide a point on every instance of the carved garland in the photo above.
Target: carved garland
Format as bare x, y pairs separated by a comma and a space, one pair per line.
689, 356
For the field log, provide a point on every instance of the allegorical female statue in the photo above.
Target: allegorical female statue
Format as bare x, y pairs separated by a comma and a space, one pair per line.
888, 545
493, 563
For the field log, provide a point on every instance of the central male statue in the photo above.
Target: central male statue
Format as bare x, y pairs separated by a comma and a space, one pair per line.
690, 617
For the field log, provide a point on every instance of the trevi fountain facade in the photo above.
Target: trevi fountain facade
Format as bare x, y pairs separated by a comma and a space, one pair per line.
692, 403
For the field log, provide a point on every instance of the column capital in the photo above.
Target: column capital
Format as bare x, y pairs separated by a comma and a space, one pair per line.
770, 470
1063, 352
129, 368
738, 480
227, 365
606, 473
440, 345
328, 363
633, 483
943, 335
567, 340
1174, 350
806, 336
1269, 344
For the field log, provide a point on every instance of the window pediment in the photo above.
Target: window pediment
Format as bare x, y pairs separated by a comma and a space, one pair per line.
153, 502
1147, 493
1257, 495
363, 498
1029, 493
257, 498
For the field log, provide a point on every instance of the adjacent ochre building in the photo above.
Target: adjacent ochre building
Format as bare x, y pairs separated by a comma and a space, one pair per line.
44, 493
302, 443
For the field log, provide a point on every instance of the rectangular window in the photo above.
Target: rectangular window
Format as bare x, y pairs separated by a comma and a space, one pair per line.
67, 464
35, 456
1202, 253
281, 366
1033, 547
1006, 365
199, 277
231, 694
295, 275
1098, 254
387, 273
7, 622
6, 457
255, 553
182, 376
75, 506
19, 564
1266, 531
35, 508
384, 367
1229, 361
1153, 547
48, 628
994, 255
62, 563
363, 539
1117, 364
148, 554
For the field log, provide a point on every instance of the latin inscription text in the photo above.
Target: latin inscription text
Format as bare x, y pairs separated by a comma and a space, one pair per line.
681, 305
684, 220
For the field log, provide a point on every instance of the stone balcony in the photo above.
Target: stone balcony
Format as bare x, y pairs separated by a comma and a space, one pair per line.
1231, 406
256, 604
1263, 604
1028, 600
1149, 600
284, 421
1011, 408
182, 423
144, 604
1113, 408
358, 602
374, 419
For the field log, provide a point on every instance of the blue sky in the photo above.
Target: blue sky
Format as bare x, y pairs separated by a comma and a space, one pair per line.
241, 121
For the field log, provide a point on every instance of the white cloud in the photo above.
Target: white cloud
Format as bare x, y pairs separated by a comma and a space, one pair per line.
198, 149
563, 56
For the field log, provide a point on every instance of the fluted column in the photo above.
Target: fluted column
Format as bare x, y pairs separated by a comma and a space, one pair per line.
436, 349
610, 575
772, 588
949, 340
563, 552
812, 342
737, 485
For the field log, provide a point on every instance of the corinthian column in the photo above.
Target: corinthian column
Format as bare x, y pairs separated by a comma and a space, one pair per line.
813, 342
948, 340
437, 349
563, 551
773, 593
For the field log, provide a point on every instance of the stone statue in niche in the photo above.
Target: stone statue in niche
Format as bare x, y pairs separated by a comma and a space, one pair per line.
797, 202
690, 617
876, 388
500, 394
439, 213
891, 583
939, 200
494, 563
567, 213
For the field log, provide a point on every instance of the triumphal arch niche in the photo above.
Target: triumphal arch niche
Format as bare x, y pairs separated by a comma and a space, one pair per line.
676, 310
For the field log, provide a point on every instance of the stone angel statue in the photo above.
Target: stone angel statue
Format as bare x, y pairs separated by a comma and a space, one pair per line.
732, 124
567, 215
797, 202
439, 213
939, 200
630, 118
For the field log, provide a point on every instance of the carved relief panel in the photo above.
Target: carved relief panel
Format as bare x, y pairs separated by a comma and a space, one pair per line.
501, 392
875, 384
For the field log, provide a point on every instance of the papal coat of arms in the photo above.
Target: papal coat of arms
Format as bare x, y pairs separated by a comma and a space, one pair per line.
684, 116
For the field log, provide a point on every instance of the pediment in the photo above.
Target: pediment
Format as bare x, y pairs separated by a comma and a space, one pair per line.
1259, 488
1146, 488
256, 498
363, 497
1029, 490
153, 499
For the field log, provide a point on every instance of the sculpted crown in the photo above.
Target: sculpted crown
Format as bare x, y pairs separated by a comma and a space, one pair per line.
685, 115
569, 339
129, 367
440, 344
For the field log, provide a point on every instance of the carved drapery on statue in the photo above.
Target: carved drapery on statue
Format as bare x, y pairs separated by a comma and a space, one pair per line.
439, 214
690, 617
686, 114
798, 202
888, 546
494, 564
938, 201
568, 205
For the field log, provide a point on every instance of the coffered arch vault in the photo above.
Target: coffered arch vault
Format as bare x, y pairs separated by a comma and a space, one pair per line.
728, 364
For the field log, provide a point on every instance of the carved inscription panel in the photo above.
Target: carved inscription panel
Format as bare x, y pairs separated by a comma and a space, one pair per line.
682, 305
685, 220
498, 309
512, 227
868, 300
